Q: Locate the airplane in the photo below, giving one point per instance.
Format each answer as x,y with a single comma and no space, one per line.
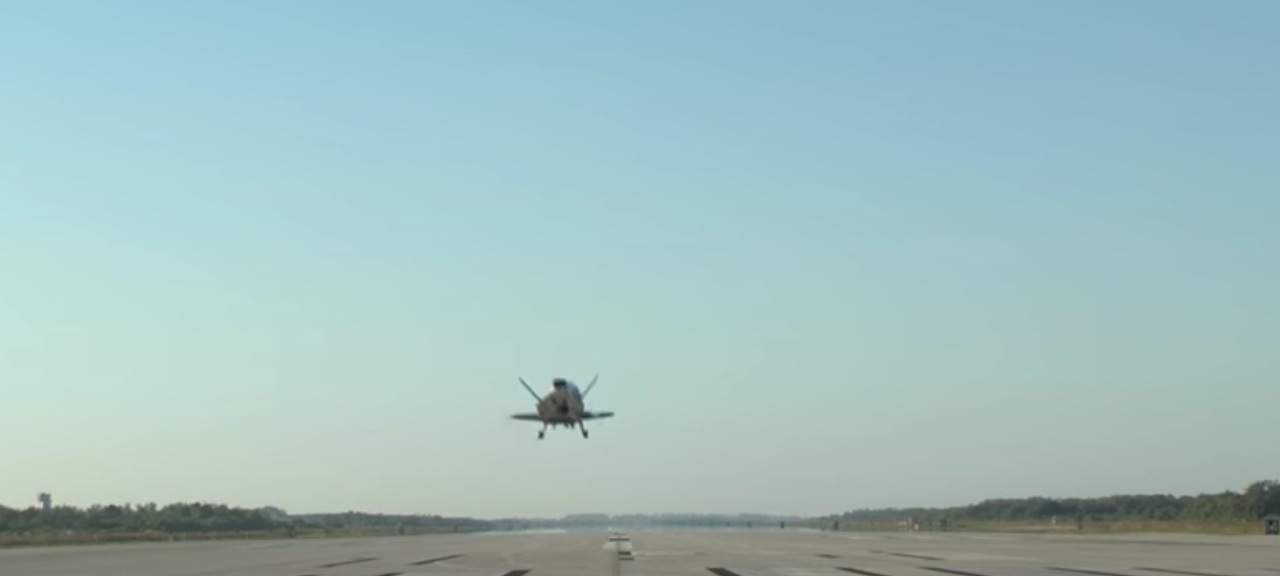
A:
562,406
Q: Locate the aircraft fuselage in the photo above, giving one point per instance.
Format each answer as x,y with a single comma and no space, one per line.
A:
560,408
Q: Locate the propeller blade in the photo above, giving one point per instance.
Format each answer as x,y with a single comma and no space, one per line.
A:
531,392
587,390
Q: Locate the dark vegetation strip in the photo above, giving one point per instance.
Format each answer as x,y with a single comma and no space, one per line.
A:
1259,500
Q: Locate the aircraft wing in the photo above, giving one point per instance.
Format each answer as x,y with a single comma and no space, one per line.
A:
596,415
527,416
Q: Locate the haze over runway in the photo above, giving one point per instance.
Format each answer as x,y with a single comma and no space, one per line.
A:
686,553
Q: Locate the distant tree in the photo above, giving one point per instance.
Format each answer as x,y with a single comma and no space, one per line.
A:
1260,499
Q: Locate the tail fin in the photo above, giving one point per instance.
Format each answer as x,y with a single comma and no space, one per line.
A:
531,392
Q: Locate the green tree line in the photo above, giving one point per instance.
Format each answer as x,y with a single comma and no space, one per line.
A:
1259,500
368,520
187,518
174,518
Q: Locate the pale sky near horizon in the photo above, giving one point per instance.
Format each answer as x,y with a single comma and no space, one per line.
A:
824,255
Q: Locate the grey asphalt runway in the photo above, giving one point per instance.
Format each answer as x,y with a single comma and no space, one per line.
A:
673,553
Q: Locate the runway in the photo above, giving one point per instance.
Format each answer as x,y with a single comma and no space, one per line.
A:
673,553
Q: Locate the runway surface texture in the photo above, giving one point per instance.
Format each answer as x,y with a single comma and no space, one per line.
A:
673,553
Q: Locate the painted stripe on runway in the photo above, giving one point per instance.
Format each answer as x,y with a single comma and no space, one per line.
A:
347,562
1085,571
950,571
905,555
1185,572
434,560
859,571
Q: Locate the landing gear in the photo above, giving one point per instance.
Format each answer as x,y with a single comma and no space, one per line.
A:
543,432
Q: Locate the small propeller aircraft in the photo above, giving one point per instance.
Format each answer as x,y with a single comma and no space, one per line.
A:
562,406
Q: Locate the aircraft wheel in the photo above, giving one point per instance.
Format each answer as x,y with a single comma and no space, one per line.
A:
584,433
541,434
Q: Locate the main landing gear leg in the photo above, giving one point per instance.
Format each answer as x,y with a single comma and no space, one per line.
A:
584,429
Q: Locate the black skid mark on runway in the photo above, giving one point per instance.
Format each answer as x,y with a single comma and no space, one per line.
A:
950,571
391,574
1171,571
347,562
858,571
433,560
1083,571
520,572
905,555
832,556
722,571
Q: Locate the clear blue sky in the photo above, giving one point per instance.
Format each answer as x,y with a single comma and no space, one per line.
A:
824,255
